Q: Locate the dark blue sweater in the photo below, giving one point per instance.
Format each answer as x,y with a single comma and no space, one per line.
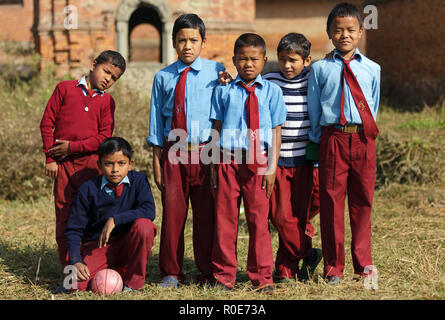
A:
93,206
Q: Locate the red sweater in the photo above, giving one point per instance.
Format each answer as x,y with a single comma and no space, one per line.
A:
65,118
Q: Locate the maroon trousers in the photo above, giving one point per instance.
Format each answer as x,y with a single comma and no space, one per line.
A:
72,173
128,252
183,182
289,205
347,164
236,181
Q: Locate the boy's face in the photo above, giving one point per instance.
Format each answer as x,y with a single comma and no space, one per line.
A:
188,45
291,63
115,166
345,34
104,75
249,62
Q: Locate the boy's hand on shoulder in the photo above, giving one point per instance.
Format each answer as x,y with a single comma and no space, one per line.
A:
83,273
224,77
329,55
51,169
106,231
61,150
268,183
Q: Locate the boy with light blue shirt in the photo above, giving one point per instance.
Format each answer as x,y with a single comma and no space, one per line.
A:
325,105
180,107
247,110
343,100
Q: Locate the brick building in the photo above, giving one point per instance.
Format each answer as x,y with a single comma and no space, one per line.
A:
71,33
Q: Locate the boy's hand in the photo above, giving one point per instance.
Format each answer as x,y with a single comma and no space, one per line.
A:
224,77
83,273
159,179
61,150
268,183
51,169
157,170
213,180
106,231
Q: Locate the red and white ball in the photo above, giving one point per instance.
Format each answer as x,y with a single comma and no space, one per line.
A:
106,282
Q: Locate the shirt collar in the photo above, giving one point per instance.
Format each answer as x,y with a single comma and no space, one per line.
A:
258,80
104,181
196,65
356,53
83,82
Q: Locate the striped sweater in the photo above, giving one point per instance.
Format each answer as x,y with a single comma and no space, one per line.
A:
294,132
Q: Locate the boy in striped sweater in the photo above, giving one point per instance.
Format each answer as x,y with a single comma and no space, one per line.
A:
290,200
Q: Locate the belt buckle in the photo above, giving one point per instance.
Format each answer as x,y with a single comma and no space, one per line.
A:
193,147
350,128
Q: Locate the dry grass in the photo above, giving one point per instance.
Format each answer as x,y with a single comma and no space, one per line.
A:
408,217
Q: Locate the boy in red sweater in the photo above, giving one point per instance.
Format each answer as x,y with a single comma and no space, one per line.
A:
78,117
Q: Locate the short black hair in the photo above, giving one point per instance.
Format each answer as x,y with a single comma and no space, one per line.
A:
114,57
115,144
295,42
344,9
250,40
189,21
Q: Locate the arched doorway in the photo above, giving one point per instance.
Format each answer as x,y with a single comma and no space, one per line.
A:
145,30
139,14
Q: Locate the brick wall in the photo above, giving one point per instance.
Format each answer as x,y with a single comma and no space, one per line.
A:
409,45
274,19
16,21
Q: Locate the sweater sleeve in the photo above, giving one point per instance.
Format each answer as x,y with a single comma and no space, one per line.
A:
77,222
48,121
144,206
105,130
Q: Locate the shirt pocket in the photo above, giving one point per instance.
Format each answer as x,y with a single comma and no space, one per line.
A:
203,103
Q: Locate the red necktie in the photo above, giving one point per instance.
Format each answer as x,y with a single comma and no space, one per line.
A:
253,122
117,189
369,126
178,118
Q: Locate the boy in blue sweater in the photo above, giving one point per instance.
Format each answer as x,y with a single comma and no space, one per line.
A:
110,223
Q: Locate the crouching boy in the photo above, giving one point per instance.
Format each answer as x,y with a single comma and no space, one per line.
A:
110,223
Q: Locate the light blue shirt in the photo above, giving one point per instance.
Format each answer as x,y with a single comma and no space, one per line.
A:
324,91
110,192
201,81
83,84
229,107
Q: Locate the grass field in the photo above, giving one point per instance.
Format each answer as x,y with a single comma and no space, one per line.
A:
408,222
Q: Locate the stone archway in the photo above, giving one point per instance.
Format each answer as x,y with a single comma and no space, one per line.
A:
124,12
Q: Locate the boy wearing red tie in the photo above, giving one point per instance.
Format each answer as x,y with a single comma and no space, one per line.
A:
110,223
246,111
343,99
180,107
78,117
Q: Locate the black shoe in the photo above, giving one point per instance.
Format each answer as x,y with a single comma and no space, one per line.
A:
61,289
221,286
269,290
310,263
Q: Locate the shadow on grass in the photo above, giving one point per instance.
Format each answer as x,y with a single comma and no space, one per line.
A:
23,261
